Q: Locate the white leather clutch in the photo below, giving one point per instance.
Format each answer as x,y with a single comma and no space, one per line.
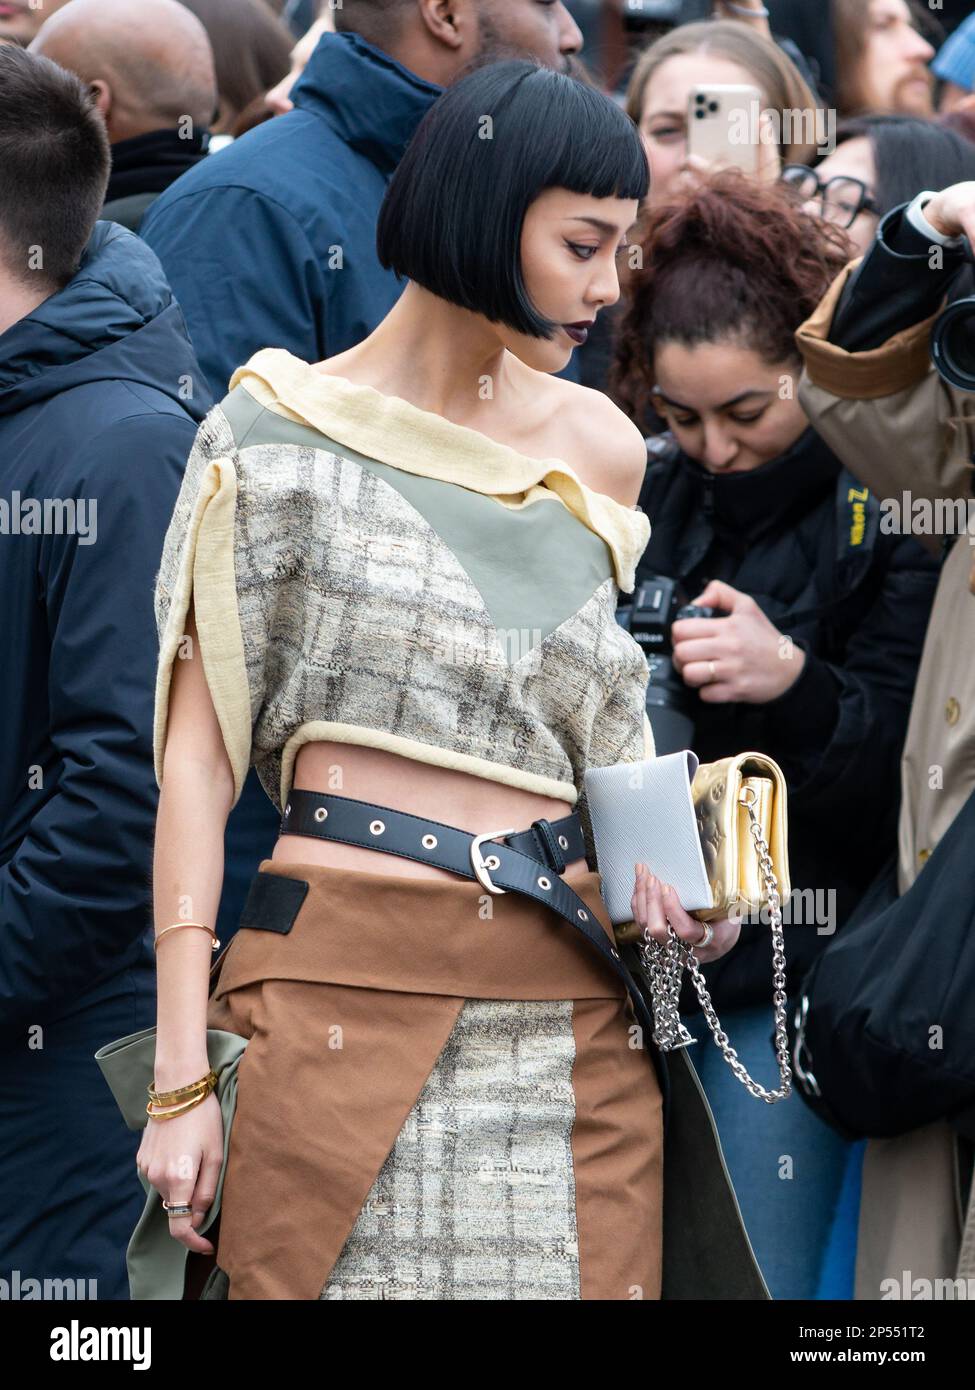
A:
644,813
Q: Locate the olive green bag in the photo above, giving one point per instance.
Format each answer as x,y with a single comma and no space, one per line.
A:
156,1262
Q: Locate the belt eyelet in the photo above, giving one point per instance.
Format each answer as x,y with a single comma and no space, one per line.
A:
287,809
544,883
376,827
583,916
563,842
492,862
321,813
429,842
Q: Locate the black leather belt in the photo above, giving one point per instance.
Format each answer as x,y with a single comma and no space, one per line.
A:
556,843
513,863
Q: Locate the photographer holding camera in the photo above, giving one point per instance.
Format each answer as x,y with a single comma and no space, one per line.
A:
906,428
813,657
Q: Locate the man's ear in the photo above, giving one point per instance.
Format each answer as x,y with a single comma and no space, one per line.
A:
102,93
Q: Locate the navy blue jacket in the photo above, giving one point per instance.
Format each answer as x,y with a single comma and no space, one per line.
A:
100,397
271,242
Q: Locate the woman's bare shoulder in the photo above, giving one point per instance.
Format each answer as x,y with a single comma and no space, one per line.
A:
609,452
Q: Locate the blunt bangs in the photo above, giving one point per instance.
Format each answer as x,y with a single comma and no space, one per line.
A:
454,209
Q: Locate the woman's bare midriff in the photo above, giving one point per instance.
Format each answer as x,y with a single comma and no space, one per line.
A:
475,804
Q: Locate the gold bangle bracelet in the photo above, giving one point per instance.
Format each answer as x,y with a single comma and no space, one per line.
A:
169,1097
176,926
177,1110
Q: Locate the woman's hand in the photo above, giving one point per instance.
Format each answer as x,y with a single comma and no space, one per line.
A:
757,20
952,211
653,903
694,169
182,1159
752,660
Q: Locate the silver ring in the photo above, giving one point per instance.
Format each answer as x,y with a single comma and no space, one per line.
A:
706,939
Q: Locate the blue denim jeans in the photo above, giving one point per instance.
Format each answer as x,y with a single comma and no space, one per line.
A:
797,1181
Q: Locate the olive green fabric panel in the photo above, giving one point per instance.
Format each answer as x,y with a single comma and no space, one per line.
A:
508,553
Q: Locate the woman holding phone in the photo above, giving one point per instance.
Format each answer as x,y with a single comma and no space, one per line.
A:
720,53
693,60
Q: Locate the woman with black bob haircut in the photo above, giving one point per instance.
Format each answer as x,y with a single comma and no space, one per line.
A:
401,567
453,217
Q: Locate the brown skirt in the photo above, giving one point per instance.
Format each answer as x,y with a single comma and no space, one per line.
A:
444,1096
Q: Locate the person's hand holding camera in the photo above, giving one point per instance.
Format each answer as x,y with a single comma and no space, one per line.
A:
741,657
952,211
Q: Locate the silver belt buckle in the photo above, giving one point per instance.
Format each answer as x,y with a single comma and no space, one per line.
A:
480,865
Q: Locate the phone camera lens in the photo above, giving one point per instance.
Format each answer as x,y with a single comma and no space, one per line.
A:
712,106
700,115
700,98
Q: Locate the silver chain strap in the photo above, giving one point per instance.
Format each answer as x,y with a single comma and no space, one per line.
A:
664,967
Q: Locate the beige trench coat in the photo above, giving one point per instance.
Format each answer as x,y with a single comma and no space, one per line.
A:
909,437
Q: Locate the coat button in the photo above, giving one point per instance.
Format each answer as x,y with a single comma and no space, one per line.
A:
952,711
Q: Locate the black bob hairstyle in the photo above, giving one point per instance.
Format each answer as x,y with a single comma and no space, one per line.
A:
453,212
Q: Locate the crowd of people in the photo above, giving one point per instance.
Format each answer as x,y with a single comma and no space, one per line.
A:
184,183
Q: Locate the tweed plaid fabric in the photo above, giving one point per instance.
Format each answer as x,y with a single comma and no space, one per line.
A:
328,607
476,1199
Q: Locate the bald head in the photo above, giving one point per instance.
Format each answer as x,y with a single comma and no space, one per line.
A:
150,61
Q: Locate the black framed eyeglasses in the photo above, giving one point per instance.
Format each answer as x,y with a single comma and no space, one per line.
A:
841,200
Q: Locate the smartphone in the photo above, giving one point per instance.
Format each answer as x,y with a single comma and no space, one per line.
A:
724,124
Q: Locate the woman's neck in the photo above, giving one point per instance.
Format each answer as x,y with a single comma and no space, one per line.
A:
435,355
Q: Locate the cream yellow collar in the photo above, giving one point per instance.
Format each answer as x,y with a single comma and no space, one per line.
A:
394,431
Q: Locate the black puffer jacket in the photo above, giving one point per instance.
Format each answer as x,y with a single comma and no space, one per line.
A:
857,601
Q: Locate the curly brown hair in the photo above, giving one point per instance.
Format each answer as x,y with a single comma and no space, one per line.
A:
733,258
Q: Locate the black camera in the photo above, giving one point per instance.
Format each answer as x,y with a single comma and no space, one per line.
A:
658,602
953,338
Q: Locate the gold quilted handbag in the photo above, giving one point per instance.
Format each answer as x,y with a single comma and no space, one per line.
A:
740,807
730,797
